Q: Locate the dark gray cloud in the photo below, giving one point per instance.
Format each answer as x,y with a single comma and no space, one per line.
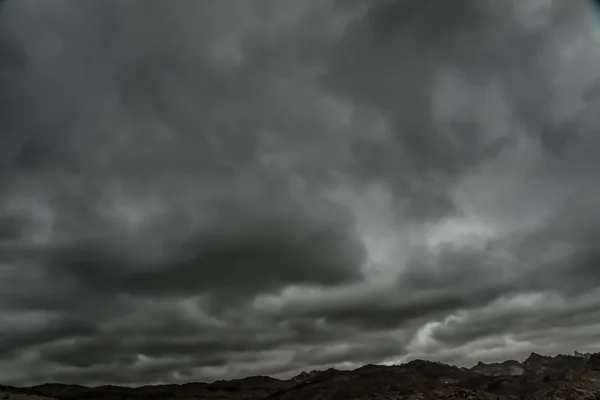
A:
209,190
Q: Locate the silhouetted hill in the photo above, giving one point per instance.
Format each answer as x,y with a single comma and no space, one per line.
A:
564,377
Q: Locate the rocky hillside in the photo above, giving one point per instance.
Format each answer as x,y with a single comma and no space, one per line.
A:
16,396
564,377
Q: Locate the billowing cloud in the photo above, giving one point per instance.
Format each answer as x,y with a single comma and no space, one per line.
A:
207,190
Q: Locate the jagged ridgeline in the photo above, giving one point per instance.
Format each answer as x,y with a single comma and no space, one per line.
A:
564,377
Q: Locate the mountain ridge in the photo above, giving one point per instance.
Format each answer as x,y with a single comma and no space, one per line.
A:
575,376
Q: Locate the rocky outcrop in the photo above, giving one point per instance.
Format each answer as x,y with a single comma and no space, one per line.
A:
585,356
306,376
506,368
534,364
593,362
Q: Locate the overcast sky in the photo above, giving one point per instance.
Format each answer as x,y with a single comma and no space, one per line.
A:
200,190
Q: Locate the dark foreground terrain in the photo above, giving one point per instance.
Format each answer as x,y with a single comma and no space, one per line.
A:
564,377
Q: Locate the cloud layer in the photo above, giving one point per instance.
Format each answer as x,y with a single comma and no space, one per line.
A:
207,190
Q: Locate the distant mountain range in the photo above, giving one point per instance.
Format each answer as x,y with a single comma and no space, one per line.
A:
562,377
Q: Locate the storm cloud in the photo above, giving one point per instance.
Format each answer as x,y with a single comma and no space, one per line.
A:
200,190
